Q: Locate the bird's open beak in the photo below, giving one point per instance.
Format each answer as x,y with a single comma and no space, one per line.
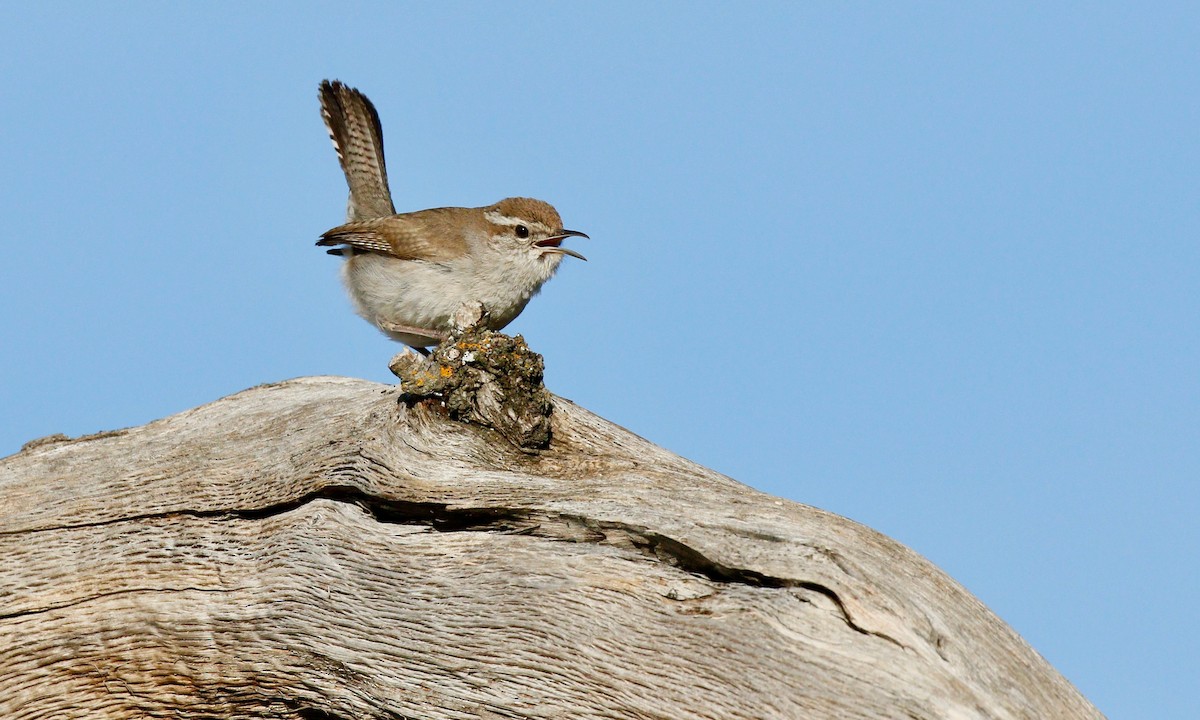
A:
554,243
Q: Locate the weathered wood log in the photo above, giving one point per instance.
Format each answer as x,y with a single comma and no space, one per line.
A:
317,549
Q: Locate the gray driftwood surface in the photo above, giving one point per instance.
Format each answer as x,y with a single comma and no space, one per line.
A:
315,549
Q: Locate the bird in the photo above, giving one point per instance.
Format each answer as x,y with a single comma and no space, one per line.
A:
408,273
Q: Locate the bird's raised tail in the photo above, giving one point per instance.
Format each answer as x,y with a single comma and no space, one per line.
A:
357,137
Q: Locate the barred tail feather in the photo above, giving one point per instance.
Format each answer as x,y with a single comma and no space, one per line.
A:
357,137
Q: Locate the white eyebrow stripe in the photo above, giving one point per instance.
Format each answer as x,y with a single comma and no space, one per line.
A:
494,216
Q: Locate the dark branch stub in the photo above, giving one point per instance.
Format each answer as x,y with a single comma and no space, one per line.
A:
484,378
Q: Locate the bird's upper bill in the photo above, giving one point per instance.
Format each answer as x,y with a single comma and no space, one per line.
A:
553,244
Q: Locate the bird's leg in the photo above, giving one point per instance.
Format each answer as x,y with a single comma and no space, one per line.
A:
410,329
389,326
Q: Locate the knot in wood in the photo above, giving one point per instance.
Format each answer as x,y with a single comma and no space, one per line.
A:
484,378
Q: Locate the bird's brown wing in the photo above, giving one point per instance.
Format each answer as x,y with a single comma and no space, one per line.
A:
430,235
357,137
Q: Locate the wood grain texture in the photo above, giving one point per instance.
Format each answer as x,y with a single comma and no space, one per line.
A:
315,549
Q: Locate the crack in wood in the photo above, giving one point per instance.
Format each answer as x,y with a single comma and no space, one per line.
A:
113,593
689,559
442,518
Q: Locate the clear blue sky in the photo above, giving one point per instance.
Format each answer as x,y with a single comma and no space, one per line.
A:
935,267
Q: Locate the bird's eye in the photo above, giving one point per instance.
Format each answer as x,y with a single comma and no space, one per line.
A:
522,231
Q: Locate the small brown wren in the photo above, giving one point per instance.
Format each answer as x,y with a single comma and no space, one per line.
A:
408,273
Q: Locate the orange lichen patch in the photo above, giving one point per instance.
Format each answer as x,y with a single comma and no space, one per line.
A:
446,371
